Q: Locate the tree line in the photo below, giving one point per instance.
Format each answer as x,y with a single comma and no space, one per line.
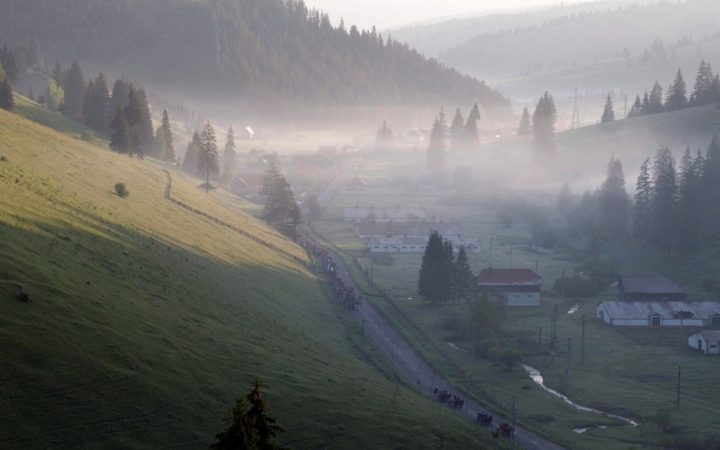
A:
542,126
462,135
278,53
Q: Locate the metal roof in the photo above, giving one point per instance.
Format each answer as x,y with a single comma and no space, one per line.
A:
711,335
504,277
649,282
667,310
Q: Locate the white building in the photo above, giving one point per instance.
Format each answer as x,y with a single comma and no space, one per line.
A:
688,314
706,341
418,244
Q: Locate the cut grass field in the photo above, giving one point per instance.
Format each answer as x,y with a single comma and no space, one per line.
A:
146,320
630,372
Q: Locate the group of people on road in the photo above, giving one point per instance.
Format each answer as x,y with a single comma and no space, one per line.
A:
443,396
342,292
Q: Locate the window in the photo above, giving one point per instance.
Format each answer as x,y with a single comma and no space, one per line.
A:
376,246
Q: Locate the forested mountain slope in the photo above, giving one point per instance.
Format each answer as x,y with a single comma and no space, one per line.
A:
255,50
145,320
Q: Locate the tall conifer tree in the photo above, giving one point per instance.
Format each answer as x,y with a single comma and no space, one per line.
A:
472,132
608,114
525,126
208,160
7,102
543,120
74,87
121,139
167,136
677,94
457,131
641,210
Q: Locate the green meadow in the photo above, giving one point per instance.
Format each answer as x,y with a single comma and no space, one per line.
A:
146,320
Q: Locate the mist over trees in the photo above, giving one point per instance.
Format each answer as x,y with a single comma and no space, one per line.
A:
543,127
275,53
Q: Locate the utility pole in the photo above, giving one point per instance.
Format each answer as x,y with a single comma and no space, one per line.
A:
512,431
567,366
392,354
362,334
582,343
492,237
678,390
576,111
537,261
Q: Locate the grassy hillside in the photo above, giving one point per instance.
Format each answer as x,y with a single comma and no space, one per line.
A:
146,320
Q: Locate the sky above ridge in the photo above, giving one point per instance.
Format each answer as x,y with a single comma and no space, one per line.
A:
386,14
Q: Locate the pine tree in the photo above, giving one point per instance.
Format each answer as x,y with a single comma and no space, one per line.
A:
677,94
703,82
190,158
608,114
663,211
688,201
641,210
120,140
54,96
58,74
270,182
457,131
543,120
6,95
7,59
74,87
636,108
119,96
87,102
208,158
525,127
656,99
462,281
384,139
434,277
133,112
471,131
230,152
167,135
438,143
710,182
251,428
646,109
145,127
613,202
99,109
564,200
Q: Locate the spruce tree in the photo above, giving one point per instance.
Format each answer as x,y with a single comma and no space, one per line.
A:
145,127
2,73
36,58
457,131
167,135
613,202
608,114
564,200
230,152
688,201
31,94
136,145
472,132
463,287
710,183
7,59
433,277
655,100
119,96
663,208
6,95
703,82
157,150
269,184
58,74
133,112
437,144
99,110
190,159
636,108
384,139
543,120
677,94
641,210
525,127
87,102
74,88
208,158
120,140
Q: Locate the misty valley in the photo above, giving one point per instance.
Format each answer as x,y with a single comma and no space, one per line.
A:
256,225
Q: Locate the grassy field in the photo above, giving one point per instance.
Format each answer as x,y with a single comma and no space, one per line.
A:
146,320
630,372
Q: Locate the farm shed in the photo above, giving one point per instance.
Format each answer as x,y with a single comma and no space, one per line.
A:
706,341
373,214
417,244
644,314
407,229
520,286
647,285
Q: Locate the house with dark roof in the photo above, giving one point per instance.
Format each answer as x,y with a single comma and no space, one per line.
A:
520,286
647,285
706,341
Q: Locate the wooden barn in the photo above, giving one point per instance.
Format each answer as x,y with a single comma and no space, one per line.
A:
520,286
648,286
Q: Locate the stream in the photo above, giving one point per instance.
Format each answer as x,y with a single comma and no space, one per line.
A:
538,379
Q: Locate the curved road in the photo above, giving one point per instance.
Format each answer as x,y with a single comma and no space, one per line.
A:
414,367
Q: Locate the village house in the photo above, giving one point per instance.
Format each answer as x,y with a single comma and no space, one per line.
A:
647,285
656,314
407,229
356,184
520,286
417,244
706,341
398,214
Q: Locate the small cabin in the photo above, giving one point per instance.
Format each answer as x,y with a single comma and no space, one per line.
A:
706,341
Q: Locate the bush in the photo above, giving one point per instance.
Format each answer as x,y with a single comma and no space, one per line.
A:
3,159
121,190
663,419
509,357
87,136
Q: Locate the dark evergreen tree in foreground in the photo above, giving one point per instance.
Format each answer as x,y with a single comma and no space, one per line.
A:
434,278
543,121
471,133
438,144
251,428
208,159
613,202
641,210
384,139
167,137
457,131
74,87
525,126
119,96
677,94
462,280
6,95
120,140
663,212
608,114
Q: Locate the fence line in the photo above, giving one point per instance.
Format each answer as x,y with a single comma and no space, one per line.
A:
269,245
